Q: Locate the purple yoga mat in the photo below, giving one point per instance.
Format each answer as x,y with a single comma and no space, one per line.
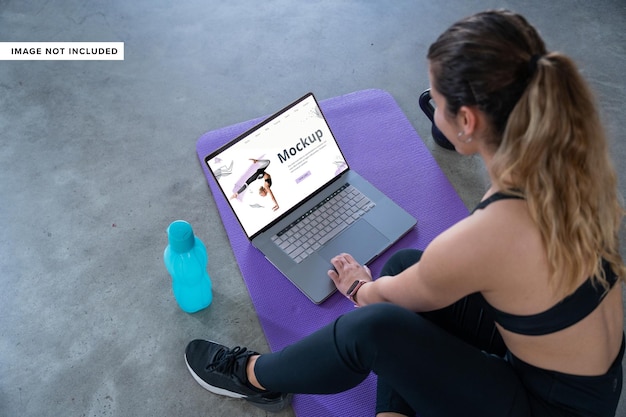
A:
379,143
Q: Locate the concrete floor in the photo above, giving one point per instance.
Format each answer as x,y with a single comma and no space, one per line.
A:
99,157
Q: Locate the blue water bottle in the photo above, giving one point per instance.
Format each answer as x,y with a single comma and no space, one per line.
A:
186,260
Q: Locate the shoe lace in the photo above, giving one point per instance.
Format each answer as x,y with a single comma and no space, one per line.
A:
225,359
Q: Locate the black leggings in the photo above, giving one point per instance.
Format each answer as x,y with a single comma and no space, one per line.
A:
443,363
258,174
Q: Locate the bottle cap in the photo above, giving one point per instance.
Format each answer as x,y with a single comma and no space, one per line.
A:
180,235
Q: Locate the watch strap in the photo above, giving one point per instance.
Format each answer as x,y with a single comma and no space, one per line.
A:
354,288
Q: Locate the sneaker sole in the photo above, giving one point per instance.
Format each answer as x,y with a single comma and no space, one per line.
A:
271,407
284,402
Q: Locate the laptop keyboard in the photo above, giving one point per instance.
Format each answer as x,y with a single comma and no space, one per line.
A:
323,222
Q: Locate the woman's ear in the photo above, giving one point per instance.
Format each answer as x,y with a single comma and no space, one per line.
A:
468,119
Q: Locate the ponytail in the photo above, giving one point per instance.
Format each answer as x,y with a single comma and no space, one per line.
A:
548,142
554,150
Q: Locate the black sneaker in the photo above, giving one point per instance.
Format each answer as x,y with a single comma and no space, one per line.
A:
223,371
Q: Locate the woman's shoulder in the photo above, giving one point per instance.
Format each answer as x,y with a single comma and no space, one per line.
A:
497,216
490,239
505,226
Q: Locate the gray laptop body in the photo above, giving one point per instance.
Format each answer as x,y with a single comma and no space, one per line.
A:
278,173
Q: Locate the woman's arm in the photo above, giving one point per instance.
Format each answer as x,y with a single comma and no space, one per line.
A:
451,267
268,190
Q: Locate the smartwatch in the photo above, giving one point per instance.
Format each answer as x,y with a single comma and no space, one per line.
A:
354,288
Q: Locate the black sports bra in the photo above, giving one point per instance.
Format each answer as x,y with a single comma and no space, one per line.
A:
566,313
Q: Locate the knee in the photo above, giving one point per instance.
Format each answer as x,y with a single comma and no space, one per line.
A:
400,261
378,321
371,332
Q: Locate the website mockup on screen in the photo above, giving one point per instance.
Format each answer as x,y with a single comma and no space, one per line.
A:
268,171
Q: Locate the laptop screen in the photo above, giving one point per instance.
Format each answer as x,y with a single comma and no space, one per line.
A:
269,170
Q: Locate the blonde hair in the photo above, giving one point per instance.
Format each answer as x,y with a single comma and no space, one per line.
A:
551,146
554,149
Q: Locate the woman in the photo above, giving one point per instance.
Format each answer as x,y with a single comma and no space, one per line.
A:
260,173
539,256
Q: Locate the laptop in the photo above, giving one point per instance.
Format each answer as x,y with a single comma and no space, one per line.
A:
297,200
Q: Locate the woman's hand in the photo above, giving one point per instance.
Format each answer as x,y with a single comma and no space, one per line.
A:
347,270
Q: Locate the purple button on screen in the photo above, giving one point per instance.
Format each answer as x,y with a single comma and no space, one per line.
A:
303,176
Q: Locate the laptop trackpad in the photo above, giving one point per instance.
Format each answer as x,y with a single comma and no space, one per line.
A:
361,240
